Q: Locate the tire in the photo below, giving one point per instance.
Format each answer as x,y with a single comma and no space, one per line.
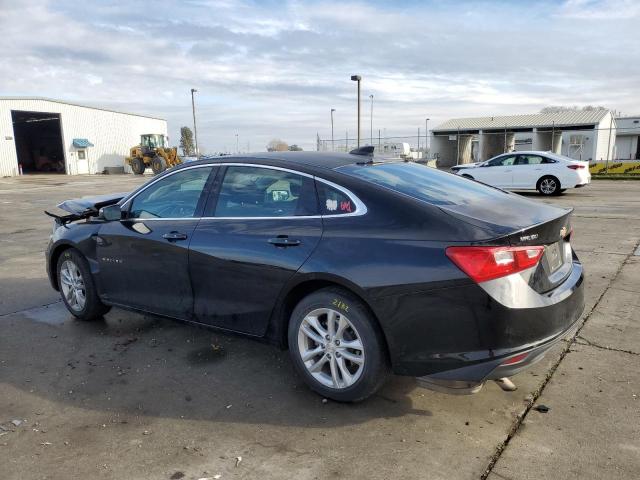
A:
137,166
548,185
340,378
75,282
158,165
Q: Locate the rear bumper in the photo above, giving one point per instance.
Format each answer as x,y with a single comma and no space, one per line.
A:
433,343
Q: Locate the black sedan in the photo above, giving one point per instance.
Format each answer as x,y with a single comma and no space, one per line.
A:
360,268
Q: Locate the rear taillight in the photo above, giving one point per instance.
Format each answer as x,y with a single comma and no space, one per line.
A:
575,167
515,359
487,263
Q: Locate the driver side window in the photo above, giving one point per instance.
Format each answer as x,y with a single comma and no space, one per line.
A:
175,196
502,161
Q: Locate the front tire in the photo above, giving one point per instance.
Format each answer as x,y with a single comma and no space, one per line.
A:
548,185
137,166
337,346
77,288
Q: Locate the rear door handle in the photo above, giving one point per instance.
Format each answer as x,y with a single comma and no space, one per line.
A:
173,236
284,241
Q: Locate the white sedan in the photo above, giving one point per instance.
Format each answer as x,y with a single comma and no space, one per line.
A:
547,172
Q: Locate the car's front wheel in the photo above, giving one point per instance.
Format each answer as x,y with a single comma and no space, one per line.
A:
77,288
336,346
549,185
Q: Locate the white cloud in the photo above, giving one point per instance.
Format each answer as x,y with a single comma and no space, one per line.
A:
270,69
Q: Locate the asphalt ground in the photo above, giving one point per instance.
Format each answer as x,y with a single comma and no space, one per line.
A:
140,397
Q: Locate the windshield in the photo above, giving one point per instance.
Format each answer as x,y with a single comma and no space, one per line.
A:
152,141
425,183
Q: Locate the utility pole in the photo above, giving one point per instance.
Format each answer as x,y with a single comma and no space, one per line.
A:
504,150
195,129
426,135
458,141
371,119
418,149
347,142
553,136
606,169
333,145
237,144
358,78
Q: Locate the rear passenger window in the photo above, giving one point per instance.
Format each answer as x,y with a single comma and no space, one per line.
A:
333,201
265,192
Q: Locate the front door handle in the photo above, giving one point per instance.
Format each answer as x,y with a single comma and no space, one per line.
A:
284,241
173,236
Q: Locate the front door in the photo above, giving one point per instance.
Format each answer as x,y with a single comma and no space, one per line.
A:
497,172
260,226
143,258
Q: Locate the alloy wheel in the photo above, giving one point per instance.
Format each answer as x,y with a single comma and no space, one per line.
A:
331,348
72,285
548,186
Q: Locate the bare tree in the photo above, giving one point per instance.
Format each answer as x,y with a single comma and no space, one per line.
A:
277,145
573,108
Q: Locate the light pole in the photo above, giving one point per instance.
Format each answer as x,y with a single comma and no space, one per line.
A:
237,144
358,78
195,129
333,145
371,120
426,133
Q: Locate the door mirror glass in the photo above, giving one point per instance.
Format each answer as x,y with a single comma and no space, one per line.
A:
111,213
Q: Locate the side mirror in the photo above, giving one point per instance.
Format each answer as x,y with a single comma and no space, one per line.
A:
110,213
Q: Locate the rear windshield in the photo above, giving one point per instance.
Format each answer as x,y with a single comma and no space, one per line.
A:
425,183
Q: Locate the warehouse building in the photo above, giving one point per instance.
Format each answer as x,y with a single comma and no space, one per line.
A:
40,135
627,138
581,134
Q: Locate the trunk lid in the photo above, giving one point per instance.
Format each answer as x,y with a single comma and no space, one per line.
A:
523,222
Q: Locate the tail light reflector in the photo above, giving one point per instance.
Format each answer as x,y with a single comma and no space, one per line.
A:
575,167
488,263
515,359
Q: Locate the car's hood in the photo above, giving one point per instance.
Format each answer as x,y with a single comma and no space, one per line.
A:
85,205
467,165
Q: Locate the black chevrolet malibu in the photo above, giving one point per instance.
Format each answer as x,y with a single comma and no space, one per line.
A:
360,268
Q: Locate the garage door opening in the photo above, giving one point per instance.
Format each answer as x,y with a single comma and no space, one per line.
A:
38,138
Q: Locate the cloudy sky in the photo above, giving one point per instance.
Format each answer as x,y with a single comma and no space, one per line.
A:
268,69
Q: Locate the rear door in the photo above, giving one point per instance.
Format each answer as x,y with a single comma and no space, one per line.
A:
261,224
497,172
528,168
143,258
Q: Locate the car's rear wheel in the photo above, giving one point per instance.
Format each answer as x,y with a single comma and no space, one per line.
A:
77,288
336,346
548,185
137,166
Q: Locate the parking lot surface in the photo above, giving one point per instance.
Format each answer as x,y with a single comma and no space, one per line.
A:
138,396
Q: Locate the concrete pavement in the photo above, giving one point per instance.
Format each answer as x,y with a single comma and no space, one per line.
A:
138,396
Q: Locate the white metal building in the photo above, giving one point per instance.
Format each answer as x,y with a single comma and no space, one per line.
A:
627,138
45,135
581,134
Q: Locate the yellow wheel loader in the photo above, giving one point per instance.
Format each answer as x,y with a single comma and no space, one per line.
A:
153,153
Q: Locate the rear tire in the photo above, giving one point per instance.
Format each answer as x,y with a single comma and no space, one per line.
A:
548,185
158,165
137,166
336,346
77,288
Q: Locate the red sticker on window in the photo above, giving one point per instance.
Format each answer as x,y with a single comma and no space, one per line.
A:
345,206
